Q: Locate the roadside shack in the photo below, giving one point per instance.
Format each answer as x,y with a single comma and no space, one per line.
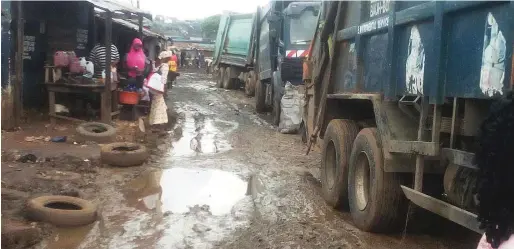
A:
124,32
52,53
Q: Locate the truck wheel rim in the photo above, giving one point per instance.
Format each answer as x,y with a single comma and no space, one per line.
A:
362,181
330,164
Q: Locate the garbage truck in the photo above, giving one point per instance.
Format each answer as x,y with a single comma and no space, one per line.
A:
284,30
395,95
233,57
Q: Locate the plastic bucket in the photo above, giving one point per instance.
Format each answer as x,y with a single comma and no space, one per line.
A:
129,98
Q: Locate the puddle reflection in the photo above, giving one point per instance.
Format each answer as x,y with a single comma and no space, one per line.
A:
177,190
199,135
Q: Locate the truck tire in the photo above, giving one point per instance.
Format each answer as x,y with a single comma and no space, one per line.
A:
376,201
260,97
250,84
277,84
336,151
220,76
275,111
227,81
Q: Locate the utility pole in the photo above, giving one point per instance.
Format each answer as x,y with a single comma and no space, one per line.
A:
137,4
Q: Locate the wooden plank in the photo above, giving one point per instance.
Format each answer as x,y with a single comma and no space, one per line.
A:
66,118
18,84
51,107
106,95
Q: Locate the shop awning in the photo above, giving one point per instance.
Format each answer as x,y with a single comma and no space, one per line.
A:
120,8
135,27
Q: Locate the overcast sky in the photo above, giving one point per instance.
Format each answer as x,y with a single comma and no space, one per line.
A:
197,9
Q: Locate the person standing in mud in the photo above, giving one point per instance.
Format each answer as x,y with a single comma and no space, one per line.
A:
158,110
495,188
172,73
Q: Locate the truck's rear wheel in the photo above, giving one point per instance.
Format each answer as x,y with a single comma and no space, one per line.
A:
250,84
227,81
260,96
376,200
219,78
337,147
275,111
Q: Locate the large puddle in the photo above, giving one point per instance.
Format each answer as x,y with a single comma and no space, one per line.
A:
199,134
178,190
184,208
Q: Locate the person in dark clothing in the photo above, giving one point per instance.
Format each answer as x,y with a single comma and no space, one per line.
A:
494,187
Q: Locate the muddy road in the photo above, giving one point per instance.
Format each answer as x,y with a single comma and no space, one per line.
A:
226,179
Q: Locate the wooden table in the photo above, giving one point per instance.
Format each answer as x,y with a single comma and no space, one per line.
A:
78,88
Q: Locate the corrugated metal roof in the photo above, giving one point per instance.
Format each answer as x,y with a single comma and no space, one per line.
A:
135,27
115,6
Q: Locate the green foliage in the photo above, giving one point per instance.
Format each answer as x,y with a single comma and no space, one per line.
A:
210,26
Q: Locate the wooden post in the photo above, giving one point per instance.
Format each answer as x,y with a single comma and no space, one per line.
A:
106,95
18,67
140,20
51,107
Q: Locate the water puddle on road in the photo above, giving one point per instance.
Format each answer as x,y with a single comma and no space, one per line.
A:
177,190
185,208
198,134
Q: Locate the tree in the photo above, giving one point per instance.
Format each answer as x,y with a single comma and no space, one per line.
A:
210,26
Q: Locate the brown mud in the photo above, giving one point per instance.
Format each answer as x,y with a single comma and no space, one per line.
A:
221,178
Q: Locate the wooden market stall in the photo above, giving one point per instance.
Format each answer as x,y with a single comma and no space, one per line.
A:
73,30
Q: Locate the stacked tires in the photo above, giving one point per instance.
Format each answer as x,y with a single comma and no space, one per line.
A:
353,177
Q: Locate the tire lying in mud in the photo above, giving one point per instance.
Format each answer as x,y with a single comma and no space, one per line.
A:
124,154
337,148
62,210
96,132
377,203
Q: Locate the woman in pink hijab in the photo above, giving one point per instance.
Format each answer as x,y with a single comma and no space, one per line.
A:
135,63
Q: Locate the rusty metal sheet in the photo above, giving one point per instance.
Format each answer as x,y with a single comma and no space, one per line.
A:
414,147
446,210
115,6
